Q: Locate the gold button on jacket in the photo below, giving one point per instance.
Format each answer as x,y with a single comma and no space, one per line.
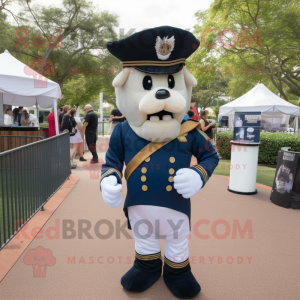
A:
144,188
172,159
143,178
171,171
169,188
144,170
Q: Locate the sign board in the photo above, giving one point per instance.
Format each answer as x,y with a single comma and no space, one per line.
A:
247,127
286,169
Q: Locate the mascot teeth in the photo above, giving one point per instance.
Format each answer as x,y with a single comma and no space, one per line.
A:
167,117
160,116
154,118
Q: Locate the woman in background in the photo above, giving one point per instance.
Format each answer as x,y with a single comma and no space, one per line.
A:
76,141
79,135
51,122
61,115
73,139
16,117
205,125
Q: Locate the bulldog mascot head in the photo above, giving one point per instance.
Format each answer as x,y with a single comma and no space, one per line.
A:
154,94
154,88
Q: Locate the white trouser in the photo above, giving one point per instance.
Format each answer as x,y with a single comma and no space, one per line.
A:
148,223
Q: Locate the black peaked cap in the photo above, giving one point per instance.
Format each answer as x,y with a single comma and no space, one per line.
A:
160,50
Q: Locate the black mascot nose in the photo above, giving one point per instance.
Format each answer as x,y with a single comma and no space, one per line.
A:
162,94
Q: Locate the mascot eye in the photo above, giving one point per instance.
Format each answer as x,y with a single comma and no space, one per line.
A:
147,83
171,81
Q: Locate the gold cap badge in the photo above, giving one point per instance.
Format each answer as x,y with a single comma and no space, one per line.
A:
164,47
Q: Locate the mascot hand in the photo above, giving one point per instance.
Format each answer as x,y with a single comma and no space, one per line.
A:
187,182
111,191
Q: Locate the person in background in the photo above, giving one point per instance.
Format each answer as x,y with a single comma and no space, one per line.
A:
192,107
90,128
60,118
8,117
51,122
239,122
25,119
205,125
20,112
16,117
115,118
77,139
70,117
190,115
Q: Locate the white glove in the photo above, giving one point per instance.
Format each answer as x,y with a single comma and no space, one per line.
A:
111,191
187,182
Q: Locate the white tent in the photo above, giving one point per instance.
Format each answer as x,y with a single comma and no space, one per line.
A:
260,98
22,86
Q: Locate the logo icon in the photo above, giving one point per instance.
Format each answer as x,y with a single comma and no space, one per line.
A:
164,47
38,68
39,258
95,169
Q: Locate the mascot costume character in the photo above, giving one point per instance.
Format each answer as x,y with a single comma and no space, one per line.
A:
153,92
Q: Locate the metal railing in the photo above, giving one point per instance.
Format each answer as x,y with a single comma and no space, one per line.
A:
103,127
8,142
29,176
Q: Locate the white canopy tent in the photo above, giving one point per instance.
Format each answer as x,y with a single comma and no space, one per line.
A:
22,86
260,98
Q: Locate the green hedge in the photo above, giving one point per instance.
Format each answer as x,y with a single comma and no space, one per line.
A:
223,143
270,144
44,125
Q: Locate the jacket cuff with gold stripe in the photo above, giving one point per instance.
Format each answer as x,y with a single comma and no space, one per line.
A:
111,171
201,171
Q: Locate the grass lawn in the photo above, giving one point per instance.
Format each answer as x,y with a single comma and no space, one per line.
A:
265,175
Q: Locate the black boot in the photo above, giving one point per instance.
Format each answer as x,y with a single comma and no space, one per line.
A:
145,271
180,280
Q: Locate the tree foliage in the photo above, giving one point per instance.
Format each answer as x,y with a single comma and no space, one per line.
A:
265,48
65,43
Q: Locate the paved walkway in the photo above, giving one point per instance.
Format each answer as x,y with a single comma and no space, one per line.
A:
264,264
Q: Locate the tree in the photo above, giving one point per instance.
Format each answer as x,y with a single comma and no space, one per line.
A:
4,4
259,41
204,94
217,109
82,52
4,7
68,35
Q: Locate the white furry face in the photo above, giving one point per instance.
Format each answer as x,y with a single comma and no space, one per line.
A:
154,105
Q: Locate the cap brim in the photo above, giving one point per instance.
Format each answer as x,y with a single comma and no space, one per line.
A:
160,70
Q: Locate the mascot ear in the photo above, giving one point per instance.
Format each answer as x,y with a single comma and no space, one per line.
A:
189,78
121,78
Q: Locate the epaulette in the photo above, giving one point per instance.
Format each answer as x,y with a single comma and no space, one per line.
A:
204,134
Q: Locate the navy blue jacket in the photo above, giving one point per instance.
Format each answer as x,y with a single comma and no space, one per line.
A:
152,182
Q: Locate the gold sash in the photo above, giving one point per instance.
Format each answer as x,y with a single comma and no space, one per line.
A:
153,147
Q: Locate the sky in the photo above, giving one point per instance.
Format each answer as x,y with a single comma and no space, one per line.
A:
141,14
